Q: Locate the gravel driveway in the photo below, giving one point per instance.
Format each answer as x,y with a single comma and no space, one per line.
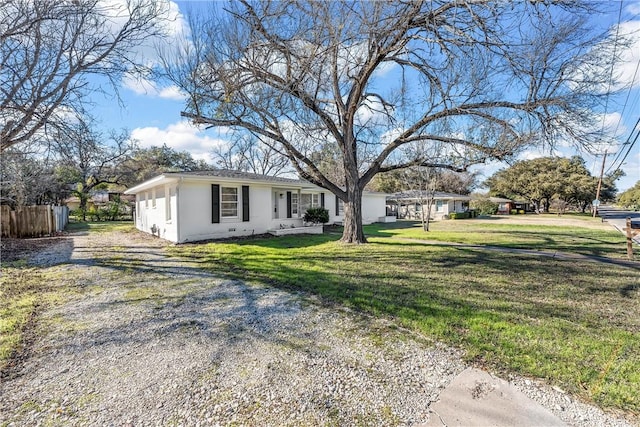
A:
152,340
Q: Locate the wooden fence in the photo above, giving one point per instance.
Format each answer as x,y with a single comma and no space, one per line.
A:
33,221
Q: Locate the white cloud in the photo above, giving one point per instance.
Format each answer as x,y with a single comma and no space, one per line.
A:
171,26
633,9
626,71
181,136
141,86
385,69
613,125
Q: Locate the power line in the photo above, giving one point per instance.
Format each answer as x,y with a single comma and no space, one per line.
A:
624,107
636,129
628,151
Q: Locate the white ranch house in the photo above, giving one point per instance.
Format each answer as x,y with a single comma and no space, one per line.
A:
192,206
410,204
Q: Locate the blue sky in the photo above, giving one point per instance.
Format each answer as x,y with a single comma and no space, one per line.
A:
152,113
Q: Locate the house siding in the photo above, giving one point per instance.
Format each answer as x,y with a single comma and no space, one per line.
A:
373,207
193,215
197,204
151,213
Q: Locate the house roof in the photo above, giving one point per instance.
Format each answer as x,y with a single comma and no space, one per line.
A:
222,175
228,175
416,194
235,174
500,200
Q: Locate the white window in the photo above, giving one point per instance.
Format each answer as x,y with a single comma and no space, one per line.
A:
439,206
305,202
294,203
169,194
309,201
340,207
229,199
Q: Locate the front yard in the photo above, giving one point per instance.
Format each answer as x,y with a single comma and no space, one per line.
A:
574,323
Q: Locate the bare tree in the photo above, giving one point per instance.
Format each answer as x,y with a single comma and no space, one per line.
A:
246,153
26,179
48,48
421,182
90,159
483,78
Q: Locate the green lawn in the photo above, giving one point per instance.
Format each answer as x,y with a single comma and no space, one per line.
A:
101,226
574,323
573,239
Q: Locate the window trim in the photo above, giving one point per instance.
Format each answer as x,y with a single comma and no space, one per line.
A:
167,205
294,202
223,202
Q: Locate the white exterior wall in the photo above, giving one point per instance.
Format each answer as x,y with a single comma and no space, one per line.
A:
373,207
187,216
448,206
151,212
196,205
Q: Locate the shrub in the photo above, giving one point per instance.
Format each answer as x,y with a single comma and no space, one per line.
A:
459,215
94,213
316,215
485,206
514,211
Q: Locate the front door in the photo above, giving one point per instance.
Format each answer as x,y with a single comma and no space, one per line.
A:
275,205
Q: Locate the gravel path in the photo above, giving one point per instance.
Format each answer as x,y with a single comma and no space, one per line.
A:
152,340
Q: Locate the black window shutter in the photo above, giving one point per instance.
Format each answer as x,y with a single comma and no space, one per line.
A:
322,200
337,206
215,203
245,203
289,204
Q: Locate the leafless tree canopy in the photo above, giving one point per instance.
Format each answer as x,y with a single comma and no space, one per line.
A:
48,48
247,153
481,78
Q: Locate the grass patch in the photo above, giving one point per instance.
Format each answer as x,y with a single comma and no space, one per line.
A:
102,226
576,324
571,239
24,293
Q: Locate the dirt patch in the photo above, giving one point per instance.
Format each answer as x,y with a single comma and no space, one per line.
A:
17,249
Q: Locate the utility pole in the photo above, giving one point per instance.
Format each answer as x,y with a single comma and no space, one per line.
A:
595,207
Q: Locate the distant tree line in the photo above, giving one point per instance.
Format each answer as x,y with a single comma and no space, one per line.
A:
546,181
631,198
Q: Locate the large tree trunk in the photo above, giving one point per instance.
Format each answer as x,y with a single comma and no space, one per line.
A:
83,207
353,232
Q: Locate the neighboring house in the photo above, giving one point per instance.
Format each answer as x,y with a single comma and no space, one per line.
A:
506,206
97,198
201,205
100,198
410,204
